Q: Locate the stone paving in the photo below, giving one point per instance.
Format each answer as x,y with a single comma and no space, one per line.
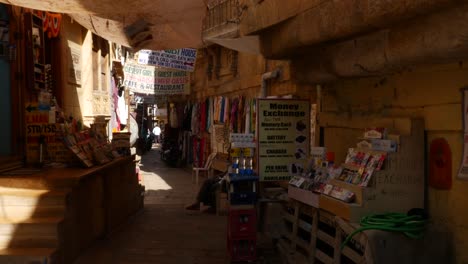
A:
164,232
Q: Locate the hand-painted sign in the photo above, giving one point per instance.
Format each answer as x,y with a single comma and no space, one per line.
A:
152,80
180,59
283,138
38,129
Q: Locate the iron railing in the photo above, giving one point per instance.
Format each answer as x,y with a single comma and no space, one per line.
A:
220,14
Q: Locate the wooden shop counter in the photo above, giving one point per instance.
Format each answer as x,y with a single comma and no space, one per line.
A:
96,201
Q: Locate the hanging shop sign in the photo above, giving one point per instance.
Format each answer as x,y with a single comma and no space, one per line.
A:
463,171
283,138
74,63
179,59
152,80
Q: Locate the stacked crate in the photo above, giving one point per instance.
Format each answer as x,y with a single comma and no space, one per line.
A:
315,236
242,234
242,196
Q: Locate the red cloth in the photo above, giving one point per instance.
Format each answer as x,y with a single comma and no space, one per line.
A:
203,116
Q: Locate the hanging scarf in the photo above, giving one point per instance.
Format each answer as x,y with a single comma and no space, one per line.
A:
240,115
210,115
254,115
174,120
234,115
247,116
221,112
203,116
227,110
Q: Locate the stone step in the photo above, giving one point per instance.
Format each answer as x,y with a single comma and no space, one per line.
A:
27,197
27,255
27,241
35,227
24,212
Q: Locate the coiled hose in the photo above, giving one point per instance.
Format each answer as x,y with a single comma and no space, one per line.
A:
412,225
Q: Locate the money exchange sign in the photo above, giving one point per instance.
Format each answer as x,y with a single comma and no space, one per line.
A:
283,138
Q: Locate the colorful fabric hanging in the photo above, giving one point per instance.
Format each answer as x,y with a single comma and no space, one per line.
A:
227,110
221,112
196,119
247,107
210,122
54,21
208,114
217,109
240,115
234,115
202,116
253,112
174,119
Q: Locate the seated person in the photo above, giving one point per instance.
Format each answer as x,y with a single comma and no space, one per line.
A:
207,193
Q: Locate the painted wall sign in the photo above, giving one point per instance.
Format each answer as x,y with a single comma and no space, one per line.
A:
283,138
146,79
180,59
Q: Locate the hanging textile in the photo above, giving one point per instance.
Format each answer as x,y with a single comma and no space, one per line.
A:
193,122
221,112
202,116
241,115
253,112
247,116
180,114
54,21
174,120
210,122
114,122
216,107
208,115
122,109
234,115
186,126
227,110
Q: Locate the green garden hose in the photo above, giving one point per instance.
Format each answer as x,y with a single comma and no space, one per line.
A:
412,226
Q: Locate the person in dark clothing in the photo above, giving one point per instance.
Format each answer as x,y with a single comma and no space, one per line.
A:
207,194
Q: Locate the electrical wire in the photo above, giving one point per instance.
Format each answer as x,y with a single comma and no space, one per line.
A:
413,226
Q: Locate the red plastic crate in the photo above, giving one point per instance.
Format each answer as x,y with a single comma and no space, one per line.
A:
242,223
242,249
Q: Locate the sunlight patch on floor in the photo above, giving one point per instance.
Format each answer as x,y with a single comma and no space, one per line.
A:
154,182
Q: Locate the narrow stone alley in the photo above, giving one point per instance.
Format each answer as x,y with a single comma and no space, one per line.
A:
164,232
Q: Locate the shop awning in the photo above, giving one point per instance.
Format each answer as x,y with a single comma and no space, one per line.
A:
164,24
